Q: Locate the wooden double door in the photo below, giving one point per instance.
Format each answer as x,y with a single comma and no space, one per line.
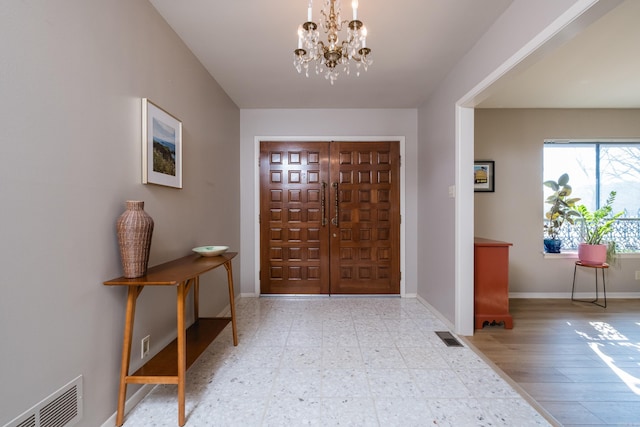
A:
329,217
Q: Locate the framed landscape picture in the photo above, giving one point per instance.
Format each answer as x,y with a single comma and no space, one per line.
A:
483,176
161,146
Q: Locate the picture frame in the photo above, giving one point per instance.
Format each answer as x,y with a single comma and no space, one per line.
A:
161,146
484,176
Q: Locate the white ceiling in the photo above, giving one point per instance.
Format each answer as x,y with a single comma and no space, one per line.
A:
247,46
599,68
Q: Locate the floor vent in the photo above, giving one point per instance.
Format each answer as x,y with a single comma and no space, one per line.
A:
448,339
61,409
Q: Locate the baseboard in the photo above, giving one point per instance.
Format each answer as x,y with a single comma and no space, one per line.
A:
130,403
567,295
439,315
249,295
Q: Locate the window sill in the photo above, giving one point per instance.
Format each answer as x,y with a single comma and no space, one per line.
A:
574,255
561,255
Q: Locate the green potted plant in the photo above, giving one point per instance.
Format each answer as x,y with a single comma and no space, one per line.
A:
596,225
562,210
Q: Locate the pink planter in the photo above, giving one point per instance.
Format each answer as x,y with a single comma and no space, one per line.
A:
592,254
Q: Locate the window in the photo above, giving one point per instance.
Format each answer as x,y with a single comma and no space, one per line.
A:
596,168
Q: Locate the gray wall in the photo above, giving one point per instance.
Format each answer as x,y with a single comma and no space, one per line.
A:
439,163
513,138
72,73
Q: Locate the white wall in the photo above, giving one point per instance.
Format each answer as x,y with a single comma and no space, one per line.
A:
326,125
446,259
514,212
72,73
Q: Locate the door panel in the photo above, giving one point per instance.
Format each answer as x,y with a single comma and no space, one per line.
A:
365,241
293,238
302,186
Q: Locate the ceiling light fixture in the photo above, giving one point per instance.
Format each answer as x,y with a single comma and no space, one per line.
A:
334,52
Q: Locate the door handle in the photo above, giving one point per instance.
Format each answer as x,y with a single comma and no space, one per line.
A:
323,197
334,221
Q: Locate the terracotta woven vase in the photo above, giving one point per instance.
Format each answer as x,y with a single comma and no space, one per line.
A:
135,228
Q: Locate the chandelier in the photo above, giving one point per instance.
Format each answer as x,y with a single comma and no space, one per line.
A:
332,53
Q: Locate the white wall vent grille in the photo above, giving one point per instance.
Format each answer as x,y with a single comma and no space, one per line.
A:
29,422
61,409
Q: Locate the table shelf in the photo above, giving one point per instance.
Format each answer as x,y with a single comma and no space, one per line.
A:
199,336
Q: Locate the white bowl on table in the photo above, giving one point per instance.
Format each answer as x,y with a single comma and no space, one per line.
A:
210,250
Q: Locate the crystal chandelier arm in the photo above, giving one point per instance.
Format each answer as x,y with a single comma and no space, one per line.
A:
362,55
321,46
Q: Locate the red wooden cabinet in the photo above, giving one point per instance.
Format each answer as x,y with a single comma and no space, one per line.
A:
491,282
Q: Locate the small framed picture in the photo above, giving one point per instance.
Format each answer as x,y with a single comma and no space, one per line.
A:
161,146
484,176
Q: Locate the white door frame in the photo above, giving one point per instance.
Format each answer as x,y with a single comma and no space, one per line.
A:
256,177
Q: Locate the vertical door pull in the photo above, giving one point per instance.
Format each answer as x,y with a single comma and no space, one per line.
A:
334,221
323,207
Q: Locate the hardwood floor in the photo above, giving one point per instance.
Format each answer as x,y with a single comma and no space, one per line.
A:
578,361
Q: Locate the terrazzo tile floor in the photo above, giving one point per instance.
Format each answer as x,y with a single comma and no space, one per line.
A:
338,361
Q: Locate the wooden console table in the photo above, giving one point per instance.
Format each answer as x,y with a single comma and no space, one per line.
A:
491,282
169,366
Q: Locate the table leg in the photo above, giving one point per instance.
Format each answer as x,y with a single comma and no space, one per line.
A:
182,347
604,289
196,298
232,303
132,296
573,286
